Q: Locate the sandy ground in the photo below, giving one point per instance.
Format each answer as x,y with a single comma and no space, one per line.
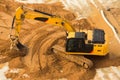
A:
40,37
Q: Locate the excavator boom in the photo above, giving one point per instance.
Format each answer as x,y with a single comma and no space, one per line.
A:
27,13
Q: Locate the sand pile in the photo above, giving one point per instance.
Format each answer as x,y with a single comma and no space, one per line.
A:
40,37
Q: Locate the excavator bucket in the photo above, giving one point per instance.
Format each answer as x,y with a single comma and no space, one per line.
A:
22,48
8,54
18,46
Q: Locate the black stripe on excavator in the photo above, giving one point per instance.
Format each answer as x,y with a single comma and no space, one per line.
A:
43,13
13,22
41,19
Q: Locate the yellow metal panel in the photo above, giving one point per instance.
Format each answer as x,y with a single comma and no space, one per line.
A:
90,35
60,22
71,35
100,49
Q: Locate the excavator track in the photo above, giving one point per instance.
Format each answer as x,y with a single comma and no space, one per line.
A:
80,60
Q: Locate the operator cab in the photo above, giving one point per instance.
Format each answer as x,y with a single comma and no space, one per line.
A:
84,41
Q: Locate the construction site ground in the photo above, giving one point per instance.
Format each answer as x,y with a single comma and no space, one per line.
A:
39,37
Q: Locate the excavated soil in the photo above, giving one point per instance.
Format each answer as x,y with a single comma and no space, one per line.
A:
116,13
41,63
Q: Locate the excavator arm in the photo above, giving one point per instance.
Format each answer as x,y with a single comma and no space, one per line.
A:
28,13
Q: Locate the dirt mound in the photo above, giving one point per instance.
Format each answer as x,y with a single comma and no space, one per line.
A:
81,24
40,37
39,43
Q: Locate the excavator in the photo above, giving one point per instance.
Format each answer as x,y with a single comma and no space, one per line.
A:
85,42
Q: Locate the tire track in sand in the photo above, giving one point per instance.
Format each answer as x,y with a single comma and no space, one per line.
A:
37,36
38,41
46,46
32,33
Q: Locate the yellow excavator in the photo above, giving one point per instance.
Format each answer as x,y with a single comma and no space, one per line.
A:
86,42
